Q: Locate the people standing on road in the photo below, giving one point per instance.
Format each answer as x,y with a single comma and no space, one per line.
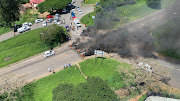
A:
49,69
71,23
72,28
66,65
69,65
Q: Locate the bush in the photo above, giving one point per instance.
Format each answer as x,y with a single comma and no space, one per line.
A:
94,89
154,4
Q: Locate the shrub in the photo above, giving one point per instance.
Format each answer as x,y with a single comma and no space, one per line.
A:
94,89
154,4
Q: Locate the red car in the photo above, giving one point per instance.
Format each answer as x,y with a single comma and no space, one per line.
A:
49,16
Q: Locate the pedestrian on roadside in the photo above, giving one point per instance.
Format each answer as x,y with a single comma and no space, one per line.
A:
53,71
72,28
70,18
66,65
69,65
49,69
71,23
77,27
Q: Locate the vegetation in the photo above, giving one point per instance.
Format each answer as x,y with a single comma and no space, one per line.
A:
87,19
4,30
27,17
9,11
21,47
94,89
143,98
155,4
91,1
54,35
50,6
43,88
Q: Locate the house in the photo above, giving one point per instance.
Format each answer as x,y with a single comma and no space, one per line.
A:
36,1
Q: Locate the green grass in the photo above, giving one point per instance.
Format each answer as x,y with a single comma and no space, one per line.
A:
106,71
138,10
91,1
4,30
42,90
20,47
87,19
142,98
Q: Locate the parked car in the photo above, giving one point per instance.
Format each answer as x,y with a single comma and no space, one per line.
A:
27,24
58,23
50,20
77,22
44,24
73,10
80,12
38,20
64,11
77,7
17,26
23,29
49,53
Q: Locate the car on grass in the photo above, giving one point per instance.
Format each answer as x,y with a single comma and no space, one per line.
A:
80,12
49,53
38,20
27,24
23,29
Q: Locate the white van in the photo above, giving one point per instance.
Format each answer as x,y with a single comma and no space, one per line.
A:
77,22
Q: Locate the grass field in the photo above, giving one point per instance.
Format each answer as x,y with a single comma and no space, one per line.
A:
91,1
131,12
21,47
138,10
87,19
4,30
167,29
41,90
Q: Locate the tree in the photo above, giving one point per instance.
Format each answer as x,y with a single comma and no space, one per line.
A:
95,89
51,5
53,34
155,4
9,11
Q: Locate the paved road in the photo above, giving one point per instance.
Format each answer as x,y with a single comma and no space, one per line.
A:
37,66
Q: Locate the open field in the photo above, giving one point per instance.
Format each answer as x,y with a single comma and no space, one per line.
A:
4,30
129,12
87,19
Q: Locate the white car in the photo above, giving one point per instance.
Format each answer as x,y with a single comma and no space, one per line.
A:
80,12
73,10
38,20
23,29
77,22
50,20
27,24
77,8
49,53
44,24
58,23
